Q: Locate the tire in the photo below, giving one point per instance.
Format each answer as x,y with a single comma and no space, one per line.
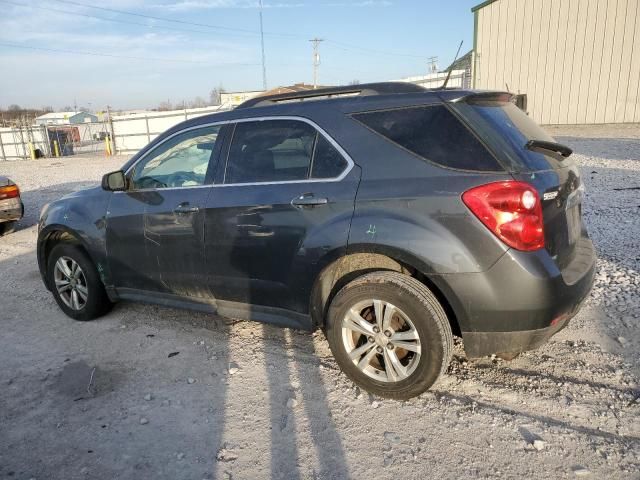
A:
417,321
7,227
91,300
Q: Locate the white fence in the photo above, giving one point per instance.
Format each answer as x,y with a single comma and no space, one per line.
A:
15,142
459,79
133,131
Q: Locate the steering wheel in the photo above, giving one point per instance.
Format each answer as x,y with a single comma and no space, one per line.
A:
180,178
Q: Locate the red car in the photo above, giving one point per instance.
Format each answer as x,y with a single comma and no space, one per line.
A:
11,207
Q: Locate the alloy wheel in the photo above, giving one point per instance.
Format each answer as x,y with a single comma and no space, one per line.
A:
381,340
70,283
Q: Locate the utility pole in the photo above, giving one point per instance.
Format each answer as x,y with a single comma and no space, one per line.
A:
433,64
264,62
316,60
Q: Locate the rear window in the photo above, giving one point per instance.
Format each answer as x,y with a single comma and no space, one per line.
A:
433,133
507,129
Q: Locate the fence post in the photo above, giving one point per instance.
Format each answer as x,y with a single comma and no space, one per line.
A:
146,121
112,136
47,140
2,148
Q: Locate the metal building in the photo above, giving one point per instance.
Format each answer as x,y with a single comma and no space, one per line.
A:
65,118
578,61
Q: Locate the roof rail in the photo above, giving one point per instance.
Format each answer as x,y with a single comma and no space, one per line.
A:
364,89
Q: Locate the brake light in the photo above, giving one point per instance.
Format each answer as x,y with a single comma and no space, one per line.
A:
511,210
11,191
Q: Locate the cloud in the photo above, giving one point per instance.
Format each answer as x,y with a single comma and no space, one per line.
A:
363,3
185,5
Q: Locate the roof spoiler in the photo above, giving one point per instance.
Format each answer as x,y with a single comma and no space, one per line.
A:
364,89
481,97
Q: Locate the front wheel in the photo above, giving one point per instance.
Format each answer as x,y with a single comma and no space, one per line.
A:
75,283
389,334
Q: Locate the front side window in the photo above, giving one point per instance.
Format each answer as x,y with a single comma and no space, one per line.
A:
181,161
280,151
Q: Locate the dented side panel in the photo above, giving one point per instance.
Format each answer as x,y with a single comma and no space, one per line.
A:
82,216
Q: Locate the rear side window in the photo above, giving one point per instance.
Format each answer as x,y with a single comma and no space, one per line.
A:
280,151
327,161
432,133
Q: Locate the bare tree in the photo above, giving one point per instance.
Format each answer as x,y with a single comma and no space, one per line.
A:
198,102
14,108
214,95
354,82
164,106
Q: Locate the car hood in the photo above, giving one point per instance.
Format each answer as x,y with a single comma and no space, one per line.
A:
85,192
90,202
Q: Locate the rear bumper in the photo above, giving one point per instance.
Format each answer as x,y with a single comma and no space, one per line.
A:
11,209
521,301
480,344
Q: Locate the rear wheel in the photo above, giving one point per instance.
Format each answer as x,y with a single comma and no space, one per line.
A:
389,334
7,227
75,283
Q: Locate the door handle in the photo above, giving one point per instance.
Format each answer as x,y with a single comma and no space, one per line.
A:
308,200
185,208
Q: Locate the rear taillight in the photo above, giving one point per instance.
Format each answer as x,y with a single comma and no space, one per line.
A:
11,191
511,210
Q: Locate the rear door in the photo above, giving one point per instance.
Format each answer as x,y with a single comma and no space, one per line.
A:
282,200
508,130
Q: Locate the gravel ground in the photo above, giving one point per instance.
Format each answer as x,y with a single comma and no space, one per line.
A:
149,392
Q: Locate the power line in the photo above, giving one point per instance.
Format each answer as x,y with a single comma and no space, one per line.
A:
172,20
371,50
100,54
219,27
167,27
114,20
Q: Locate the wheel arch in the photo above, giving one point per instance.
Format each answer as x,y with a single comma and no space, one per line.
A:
333,277
53,235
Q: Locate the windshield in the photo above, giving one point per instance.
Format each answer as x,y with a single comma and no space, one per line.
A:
507,129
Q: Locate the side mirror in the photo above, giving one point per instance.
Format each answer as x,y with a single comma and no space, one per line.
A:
114,181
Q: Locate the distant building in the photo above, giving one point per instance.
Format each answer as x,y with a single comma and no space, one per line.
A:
436,80
298,87
233,99
66,118
578,61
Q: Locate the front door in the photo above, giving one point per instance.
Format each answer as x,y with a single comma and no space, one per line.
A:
282,200
155,228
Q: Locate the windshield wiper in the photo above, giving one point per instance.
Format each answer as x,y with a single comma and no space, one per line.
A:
553,147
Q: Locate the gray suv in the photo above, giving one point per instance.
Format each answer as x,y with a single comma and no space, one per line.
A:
390,216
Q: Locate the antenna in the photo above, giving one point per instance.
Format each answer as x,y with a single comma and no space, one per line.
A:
446,80
316,60
264,64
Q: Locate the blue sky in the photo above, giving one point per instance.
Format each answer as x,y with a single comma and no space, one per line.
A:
365,40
